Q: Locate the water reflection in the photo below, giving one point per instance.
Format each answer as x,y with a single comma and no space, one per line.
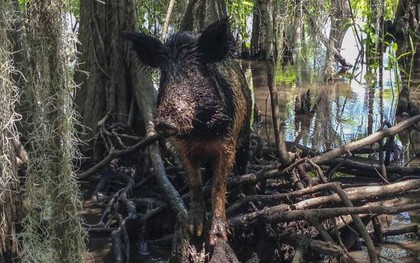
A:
324,116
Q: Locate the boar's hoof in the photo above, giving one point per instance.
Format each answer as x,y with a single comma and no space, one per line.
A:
195,221
218,230
165,129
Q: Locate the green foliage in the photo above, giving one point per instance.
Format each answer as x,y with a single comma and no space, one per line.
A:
239,11
286,75
366,17
390,8
363,9
395,62
22,4
74,6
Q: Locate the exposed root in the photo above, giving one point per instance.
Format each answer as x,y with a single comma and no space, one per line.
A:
300,211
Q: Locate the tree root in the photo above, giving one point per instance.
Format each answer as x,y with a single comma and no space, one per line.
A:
297,209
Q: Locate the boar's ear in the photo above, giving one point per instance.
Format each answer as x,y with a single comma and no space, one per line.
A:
216,41
149,50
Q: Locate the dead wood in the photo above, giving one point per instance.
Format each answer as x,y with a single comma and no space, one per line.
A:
368,168
289,198
222,252
268,172
401,229
400,201
305,243
345,149
281,214
302,211
114,153
354,194
362,193
277,197
359,224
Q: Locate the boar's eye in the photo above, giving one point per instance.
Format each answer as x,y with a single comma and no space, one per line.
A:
149,50
216,42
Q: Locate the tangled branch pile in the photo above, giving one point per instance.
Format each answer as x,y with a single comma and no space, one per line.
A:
276,214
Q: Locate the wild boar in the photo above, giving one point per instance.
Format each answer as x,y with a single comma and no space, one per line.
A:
204,105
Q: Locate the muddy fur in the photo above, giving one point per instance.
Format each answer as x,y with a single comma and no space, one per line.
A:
204,104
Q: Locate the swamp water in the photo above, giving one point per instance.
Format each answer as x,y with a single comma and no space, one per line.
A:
341,112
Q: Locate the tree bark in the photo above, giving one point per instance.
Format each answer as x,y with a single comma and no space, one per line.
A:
256,31
406,17
105,95
200,13
267,22
167,18
10,198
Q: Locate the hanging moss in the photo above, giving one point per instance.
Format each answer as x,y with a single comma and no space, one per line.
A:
9,182
52,227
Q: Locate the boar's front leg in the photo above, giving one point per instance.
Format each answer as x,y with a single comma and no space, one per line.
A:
197,208
222,167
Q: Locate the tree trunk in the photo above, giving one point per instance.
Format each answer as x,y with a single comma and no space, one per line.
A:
267,22
200,13
10,199
406,18
256,31
53,231
167,18
298,31
105,96
340,12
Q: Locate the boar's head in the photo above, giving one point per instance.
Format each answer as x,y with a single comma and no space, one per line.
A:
194,98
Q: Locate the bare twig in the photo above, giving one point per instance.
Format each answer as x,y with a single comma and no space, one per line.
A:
117,153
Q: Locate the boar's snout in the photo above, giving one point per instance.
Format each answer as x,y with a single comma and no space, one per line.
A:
165,128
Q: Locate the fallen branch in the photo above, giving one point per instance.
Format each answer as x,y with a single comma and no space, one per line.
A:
366,141
344,221
364,167
401,229
353,193
280,214
113,153
304,242
359,224
277,197
362,193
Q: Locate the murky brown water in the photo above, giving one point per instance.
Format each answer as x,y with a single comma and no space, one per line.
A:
339,113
